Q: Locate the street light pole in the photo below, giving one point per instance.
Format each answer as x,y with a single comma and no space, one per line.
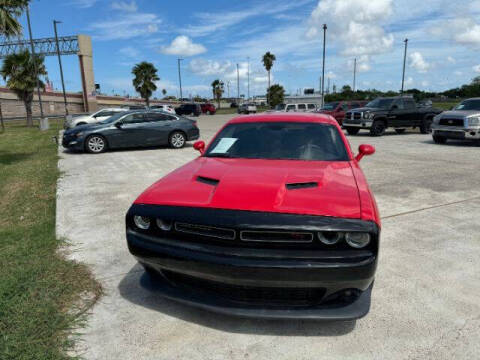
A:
354,72
323,65
248,78
238,86
34,62
404,61
180,79
55,22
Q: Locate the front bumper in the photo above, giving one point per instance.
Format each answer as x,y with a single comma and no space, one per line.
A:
363,123
72,143
459,133
256,282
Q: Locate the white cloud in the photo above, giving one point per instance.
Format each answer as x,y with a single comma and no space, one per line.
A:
330,75
409,81
84,4
129,51
183,45
125,6
462,30
204,67
476,68
418,62
125,26
363,63
458,73
451,60
425,83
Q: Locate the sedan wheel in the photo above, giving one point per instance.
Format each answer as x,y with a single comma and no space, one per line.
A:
96,144
177,140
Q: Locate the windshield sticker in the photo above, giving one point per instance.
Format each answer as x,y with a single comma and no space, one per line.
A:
224,145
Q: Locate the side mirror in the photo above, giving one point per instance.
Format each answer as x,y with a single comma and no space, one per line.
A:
118,125
363,150
199,146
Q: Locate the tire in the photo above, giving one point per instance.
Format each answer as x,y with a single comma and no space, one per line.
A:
400,131
426,126
95,144
439,139
177,140
352,130
209,112
378,128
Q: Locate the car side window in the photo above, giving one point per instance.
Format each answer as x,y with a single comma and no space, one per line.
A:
133,118
409,104
344,107
159,117
399,104
301,107
103,113
290,107
311,106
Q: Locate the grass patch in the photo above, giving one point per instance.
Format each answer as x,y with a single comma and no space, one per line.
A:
445,105
42,295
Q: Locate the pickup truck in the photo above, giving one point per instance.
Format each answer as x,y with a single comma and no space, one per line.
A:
398,112
337,109
461,123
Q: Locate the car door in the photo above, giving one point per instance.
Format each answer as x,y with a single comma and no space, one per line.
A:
411,115
396,114
159,126
131,131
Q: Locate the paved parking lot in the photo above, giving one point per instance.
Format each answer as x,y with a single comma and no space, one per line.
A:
425,302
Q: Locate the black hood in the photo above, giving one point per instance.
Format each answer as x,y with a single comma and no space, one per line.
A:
85,127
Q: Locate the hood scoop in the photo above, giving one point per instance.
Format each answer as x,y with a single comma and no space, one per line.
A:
301,185
207,180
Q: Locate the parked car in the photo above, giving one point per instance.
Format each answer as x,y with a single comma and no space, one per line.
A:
135,128
274,219
384,112
208,109
96,117
134,107
189,109
233,105
461,123
164,107
337,109
302,107
247,108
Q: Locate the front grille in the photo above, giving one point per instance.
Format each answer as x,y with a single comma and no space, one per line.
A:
272,296
357,116
203,230
276,236
451,122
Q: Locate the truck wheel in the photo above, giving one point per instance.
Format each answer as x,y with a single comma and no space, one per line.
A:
439,139
426,126
378,128
352,130
400,131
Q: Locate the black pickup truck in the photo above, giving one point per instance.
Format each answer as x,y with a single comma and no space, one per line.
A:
399,113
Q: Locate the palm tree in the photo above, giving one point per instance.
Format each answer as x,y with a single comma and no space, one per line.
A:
18,70
164,92
268,60
10,10
217,89
144,81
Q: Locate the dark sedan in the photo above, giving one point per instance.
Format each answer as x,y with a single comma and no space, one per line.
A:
138,128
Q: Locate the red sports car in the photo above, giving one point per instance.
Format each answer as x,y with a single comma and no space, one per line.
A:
274,219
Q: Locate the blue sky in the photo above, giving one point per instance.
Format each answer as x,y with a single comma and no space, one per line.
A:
213,36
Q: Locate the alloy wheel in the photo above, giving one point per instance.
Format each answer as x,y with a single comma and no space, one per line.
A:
177,140
96,144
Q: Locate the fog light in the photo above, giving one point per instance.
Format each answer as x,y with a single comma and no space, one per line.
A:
329,237
357,240
164,225
142,222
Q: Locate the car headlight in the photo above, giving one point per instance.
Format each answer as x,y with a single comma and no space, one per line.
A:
436,119
79,134
366,115
474,121
165,225
357,240
329,237
142,222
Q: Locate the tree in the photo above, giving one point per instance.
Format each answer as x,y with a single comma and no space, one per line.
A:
164,92
10,11
268,60
276,94
217,90
18,70
144,80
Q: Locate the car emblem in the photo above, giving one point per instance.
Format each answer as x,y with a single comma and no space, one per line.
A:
450,121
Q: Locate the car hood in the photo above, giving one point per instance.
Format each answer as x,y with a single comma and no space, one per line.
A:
260,185
459,113
86,127
362,109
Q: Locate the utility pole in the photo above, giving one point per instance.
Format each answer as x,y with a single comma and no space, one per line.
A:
34,62
248,77
328,85
323,65
354,72
404,61
228,89
55,22
238,86
180,78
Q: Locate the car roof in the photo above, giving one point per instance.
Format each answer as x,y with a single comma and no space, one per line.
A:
284,117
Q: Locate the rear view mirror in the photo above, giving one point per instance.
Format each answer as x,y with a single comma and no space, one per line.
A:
363,150
199,146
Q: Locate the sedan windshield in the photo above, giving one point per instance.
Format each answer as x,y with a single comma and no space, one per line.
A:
380,103
330,106
469,105
279,140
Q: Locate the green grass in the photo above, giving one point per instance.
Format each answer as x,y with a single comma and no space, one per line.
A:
40,304
445,105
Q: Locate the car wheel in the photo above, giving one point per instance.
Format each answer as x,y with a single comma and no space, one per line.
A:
378,128
439,139
177,140
426,126
352,131
209,112
95,144
400,131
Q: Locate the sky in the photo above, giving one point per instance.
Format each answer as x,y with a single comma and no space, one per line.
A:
213,36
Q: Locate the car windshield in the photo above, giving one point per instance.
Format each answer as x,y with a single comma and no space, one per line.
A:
469,105
112,118
286,140
330,106
280,107
380,103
